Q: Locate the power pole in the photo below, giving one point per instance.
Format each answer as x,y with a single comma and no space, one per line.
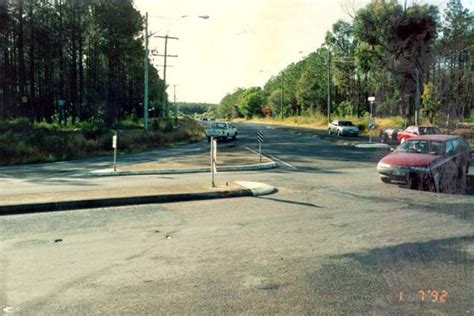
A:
145,83
166,37
329,86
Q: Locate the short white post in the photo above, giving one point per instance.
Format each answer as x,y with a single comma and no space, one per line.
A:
213,160
114,146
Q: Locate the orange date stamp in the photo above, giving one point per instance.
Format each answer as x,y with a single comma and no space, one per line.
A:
431,295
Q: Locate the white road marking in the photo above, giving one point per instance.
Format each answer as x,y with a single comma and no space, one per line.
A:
273,157
283,162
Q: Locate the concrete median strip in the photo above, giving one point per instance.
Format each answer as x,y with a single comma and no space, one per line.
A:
61,201
250,167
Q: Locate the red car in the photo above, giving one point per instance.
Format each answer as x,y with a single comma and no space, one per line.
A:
412,131
433,162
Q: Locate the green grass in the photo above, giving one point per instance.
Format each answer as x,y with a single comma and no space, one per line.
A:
22,142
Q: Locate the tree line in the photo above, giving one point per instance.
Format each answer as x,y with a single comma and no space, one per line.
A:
73,60
416,61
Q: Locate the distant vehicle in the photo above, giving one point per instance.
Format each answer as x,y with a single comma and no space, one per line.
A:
342,128
431,162
389,135
221,130
412,131
204,118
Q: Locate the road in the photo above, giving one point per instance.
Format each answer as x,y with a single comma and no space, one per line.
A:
333,240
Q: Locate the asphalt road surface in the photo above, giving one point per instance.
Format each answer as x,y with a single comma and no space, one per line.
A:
333,240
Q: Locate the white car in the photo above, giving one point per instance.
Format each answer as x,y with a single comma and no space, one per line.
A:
221,130
343,128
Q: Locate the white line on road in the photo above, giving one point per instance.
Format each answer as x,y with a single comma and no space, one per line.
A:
283,162
274,158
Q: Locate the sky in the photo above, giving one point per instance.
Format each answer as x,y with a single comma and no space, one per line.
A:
238,43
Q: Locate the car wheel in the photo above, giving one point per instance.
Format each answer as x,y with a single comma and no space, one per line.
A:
385,180
462,180
429,184
413,182
234,137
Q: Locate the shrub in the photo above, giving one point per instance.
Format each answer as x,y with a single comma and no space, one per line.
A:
92,129
21,125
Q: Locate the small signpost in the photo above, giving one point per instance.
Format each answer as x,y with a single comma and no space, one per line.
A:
213,160
371,119
114,146
260,141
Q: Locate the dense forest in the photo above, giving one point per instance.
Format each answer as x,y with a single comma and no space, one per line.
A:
415,60
73,60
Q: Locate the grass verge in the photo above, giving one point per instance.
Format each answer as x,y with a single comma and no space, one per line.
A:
22,142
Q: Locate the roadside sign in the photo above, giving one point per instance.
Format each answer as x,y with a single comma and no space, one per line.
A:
114,141
371,99
372,123
260,136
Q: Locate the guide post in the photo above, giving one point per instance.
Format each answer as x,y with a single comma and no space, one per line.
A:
114,146
260,141
213,161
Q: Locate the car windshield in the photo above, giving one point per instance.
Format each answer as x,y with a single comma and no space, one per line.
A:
421,147
219,125
429,130
345,123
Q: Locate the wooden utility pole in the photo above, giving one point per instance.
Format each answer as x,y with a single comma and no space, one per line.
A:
166,37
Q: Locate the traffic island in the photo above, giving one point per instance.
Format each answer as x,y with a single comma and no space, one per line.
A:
229,159
67,200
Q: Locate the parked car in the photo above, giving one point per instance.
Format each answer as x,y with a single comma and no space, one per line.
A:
412,131
432,162
221,130
389,135
342,128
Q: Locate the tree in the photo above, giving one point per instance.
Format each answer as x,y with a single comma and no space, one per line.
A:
431,104
402,41
229,106
88,53
251,102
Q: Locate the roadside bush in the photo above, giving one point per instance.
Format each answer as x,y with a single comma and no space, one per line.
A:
92,129
20,125
129,123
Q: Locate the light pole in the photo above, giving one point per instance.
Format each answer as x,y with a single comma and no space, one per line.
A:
329,85
145,83
281,96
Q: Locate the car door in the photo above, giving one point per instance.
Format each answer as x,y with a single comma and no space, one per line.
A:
449,169
334,126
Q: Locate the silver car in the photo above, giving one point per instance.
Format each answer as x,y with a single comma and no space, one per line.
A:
343,128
